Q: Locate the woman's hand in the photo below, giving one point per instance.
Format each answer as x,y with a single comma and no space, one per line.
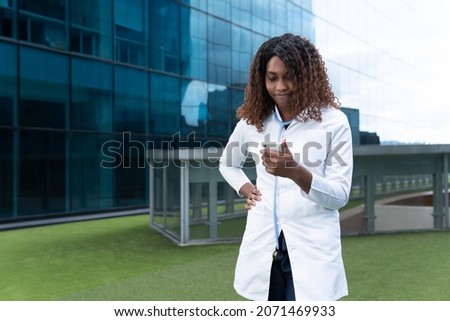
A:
282,163
253,197
279,162
252,193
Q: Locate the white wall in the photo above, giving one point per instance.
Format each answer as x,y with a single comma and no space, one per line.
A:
395,217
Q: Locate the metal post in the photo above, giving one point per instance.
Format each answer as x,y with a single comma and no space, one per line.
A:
369,200
437,200
164,196
184,206
212,210
197,200
230,195
151,194
446,193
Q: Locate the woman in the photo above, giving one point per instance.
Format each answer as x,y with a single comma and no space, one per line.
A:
291,246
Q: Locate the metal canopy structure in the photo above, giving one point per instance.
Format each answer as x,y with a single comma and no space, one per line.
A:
191,203
373,161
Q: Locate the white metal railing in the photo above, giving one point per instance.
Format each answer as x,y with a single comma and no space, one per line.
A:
192,204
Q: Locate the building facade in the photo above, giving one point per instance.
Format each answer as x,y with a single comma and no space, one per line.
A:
87,86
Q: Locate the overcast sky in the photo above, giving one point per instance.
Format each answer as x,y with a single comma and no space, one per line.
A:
406,97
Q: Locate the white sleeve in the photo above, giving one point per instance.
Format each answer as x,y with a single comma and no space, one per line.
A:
233,158
332,189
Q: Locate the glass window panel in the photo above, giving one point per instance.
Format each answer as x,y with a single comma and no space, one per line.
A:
199,210
131,176
237,98
219,126
261,17
48,8
218,107
131,27
6,18
333,71
199,4
219,8
308,29
91,171
193,44
43,91
91,107
241,13
131,186
6,173
165,105
294,14
131,100
308,4
241,56
91,31
165,36
166,202
257,41
194,108
232,215
219,54
42,172
43,22
8,83
277,17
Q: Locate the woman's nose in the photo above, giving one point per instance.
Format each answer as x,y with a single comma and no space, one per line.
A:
281,85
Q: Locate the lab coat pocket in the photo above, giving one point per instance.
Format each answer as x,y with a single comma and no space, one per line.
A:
255,218
322,227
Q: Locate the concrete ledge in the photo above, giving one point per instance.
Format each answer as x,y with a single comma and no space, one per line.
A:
70,219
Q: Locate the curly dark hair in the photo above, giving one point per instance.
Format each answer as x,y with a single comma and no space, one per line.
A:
306,68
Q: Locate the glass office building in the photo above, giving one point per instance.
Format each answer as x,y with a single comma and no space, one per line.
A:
86,86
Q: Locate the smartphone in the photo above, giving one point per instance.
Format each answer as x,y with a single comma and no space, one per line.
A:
271,146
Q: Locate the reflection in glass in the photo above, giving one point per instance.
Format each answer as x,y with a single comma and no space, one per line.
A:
131,26
198,53
194,103
42,172
91,184
131,106
8,83
6,173
193,44
165,105
219,109
205,109
91,30
43,22
131,175
165,36
6,19
219,53
241,56
91,107
43,91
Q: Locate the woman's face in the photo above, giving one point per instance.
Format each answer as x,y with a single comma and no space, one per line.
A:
278,84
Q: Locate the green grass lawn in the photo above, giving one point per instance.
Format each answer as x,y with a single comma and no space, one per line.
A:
122,259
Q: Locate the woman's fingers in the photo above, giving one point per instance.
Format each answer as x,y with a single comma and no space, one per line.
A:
253,197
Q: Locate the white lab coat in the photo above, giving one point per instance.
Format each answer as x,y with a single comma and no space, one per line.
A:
310,222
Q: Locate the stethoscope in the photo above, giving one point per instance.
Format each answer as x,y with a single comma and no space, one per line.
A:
283,125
